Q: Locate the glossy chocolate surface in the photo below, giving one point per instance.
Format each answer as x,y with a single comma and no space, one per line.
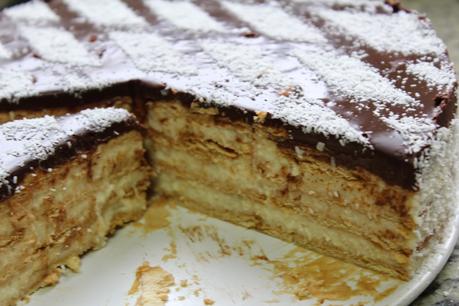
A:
226,81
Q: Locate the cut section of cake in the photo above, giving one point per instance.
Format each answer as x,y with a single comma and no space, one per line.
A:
330,124
256,176
65,183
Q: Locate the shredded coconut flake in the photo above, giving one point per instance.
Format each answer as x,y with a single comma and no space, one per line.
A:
437,171
252,64
36,136
366,5
97,119
314,117
14,84
37,139
150,52
68,78
186,15
290,80
23,140
272,21
351,77
342,2
402,32
33,11
57,45
435,77
416,133
4,53
246,61
106,12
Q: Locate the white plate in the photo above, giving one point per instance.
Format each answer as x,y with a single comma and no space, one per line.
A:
228,265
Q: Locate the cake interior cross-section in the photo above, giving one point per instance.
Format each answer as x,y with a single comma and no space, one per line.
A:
329,124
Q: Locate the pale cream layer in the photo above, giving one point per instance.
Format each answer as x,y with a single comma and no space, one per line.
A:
195,166
174,124
237,171
239,159
285,224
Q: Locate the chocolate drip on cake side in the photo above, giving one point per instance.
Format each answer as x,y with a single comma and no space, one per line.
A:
376,116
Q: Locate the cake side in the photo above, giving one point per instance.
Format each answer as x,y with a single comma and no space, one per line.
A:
69,201
436,201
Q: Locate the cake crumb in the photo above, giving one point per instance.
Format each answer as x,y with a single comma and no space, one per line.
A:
26,299
152,284
208,301
172,252
73,263
320,146
305,275
272,301
51,279
260,117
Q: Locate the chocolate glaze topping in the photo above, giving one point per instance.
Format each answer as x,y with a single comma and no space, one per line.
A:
31,145
369,80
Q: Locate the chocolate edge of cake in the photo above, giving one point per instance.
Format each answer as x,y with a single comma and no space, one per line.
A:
394,170
73,145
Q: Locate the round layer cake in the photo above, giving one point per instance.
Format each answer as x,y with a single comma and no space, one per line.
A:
330,124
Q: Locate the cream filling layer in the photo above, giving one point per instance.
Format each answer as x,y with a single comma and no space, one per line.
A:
195,167
269,167
242,159
283,223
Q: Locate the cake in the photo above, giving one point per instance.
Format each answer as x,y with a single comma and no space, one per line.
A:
66,182
330,124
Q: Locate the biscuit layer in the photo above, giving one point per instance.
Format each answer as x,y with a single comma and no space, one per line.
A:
236,171
69,210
